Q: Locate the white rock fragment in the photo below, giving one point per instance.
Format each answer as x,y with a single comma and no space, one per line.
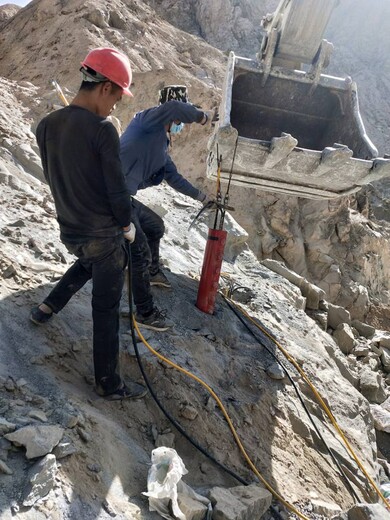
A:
243,502
38,440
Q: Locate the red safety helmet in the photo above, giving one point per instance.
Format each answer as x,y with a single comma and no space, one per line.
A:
112,64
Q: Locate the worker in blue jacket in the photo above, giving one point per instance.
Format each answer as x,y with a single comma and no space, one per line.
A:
146,162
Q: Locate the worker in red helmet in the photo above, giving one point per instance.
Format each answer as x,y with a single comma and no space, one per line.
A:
80,157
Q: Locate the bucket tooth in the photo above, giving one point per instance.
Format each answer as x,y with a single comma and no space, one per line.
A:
380,169
280,148
332,158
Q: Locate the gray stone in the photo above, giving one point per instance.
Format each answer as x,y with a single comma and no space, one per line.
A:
64,449
381,418
84,435
5,175
98,17
355,332
29,160
243,502
5,469
165,439
275,371
38,414
344,337
321,317
71,420
325,509
38,440
373,362
334,275
118,21
94,467
368,512
385,359
282,270
371,386
41,480
365,330
376,350
191,508
341,516
189,412
5,426
386,404
299,426
382,338
323,306
337,315
341,362
9,383
236,240
20,383
5,447
313,295
361,350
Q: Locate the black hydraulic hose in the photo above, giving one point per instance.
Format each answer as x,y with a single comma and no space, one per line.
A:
344,477
226,198
231,169
218,195
153,394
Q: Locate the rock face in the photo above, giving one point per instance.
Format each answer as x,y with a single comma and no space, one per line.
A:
362,45
334,245
225,24
7,11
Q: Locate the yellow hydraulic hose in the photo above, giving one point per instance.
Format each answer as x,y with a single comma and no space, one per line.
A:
221,406
317,395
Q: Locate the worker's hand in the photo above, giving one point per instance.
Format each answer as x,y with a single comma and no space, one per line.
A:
129,233
215,116
210,117
205,198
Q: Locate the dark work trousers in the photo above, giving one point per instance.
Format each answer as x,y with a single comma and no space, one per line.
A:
104,260
145,254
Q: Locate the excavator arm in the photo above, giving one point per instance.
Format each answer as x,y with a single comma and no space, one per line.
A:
297,28
295,130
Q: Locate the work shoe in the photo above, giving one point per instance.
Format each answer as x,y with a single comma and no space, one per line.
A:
39,317
129,390
160,279
154,321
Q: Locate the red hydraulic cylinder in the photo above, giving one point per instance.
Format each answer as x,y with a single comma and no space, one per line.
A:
211,269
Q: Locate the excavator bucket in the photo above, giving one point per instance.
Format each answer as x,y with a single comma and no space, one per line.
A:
287,130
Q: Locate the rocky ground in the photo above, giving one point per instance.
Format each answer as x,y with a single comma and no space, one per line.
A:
64,452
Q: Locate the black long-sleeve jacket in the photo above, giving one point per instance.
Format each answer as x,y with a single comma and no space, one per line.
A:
80,158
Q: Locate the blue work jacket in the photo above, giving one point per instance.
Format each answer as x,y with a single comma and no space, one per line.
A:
144,148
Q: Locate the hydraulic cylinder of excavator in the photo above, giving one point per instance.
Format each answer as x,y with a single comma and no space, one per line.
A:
211,269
